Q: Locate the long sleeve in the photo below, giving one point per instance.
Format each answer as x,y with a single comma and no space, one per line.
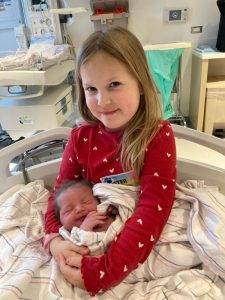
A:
135,242
69,170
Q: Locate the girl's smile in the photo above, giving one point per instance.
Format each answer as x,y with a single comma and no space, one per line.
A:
109,112
112,93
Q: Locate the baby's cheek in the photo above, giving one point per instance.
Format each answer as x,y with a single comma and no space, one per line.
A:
66,222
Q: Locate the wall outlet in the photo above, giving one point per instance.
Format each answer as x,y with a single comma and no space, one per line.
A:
196,29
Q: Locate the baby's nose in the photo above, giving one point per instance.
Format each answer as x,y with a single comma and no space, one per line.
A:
79,208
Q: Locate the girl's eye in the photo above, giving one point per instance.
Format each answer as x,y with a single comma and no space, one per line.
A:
114,84
90,89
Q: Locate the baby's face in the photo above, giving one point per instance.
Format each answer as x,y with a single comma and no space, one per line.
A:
74,204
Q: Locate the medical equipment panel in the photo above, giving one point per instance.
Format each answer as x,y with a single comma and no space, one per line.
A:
40,21
10,18
10,14
41,113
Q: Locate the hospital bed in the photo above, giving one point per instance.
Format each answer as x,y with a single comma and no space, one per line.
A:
25,268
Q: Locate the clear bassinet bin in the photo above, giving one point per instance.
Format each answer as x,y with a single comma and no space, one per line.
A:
26,73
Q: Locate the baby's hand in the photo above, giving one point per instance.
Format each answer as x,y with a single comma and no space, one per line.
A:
93,219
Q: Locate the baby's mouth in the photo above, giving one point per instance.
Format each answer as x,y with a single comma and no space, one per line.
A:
80,220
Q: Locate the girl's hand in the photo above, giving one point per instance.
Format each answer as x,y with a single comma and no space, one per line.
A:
58,246
71,274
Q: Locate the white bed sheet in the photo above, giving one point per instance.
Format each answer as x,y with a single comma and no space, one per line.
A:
188,262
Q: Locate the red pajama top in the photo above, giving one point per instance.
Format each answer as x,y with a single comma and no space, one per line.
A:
92,153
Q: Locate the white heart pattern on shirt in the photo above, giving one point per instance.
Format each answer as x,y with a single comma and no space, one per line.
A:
102,273
95,148
168,154
139,221
164,186
85,140
152,238
159,208
140,245
125,268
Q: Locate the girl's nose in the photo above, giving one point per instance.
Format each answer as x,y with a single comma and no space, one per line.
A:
103,99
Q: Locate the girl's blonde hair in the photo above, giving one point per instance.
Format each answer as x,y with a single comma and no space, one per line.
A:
125,47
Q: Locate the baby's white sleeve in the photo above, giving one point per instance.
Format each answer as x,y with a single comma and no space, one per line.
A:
80,237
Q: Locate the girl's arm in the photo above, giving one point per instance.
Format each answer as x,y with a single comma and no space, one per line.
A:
69,170
134,244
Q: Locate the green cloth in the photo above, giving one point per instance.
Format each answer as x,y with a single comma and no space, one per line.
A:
164,66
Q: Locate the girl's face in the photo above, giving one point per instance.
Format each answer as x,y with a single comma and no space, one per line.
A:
74,204
112,93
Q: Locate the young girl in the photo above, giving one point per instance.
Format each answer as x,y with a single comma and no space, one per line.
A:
124,140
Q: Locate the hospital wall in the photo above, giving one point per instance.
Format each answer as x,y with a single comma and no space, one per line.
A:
146,21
